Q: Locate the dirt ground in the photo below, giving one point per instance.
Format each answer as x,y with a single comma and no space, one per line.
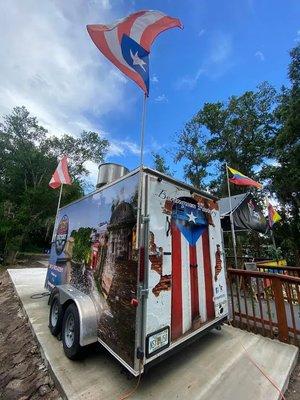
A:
23,374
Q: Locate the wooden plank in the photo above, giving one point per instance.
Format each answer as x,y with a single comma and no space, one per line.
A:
280,310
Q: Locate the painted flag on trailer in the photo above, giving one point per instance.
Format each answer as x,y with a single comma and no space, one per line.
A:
273,215
61,174
192,280
126,43
240,179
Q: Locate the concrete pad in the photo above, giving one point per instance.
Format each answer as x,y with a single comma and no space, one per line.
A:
215,367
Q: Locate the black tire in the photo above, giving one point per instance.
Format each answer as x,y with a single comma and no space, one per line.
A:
55,316
71,332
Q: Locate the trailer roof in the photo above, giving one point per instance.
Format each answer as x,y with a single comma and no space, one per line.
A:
193,189
152,172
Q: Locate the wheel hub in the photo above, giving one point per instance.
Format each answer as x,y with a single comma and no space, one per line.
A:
54,314
69,330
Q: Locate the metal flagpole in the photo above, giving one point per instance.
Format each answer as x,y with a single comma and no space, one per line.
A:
140,191
142,246
58,207
231,220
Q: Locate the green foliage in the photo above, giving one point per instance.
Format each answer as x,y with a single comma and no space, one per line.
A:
88,146
28,158
274,253
82,245
191,149
284,173
160,164
237,132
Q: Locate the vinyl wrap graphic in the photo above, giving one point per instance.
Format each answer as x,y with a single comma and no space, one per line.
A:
187,288
94,250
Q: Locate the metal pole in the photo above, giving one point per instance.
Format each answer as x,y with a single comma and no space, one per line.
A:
231,221
141,242
140,191
274,244
58,207
143,131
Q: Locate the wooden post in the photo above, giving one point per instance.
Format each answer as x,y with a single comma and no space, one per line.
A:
280,310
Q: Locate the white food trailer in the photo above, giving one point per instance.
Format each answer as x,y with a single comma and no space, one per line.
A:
138,266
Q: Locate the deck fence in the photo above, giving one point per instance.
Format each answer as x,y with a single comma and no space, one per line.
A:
266,303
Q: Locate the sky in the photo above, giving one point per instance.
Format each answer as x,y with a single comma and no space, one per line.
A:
50,65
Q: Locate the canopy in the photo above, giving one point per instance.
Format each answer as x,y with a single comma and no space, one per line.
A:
247,215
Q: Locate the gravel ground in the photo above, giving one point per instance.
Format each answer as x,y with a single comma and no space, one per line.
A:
293,392
23,374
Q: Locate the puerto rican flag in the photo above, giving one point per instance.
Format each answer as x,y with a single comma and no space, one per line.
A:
126,43
192,280
61,175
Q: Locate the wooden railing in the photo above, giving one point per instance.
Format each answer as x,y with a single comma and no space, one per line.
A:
266,303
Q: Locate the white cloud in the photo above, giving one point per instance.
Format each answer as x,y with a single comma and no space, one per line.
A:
50,65
154,79
201,32
189,81
221,49
121,147
162,98
218,61
260,55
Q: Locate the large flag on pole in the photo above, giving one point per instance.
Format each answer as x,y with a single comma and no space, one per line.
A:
240,179
61,174
273,215
126,43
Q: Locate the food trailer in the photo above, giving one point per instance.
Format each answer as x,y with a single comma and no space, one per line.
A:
138,266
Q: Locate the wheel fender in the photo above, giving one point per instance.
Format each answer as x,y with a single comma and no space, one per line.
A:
86,309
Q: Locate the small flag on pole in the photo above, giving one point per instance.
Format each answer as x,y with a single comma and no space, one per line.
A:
61,175
126,42
240,179
273,215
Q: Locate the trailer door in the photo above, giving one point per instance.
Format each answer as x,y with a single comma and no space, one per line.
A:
192,287
184,244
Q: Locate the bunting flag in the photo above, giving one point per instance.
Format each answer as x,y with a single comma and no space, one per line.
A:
240,179
61,175
126,43
273,215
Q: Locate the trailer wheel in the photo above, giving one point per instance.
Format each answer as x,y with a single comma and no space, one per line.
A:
70,333
55,316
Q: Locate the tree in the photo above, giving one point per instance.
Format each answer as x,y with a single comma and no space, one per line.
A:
28,158
237,132
258,129
191,149
160,164
284,172
88,146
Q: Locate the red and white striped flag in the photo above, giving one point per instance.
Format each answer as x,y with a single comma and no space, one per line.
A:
61,174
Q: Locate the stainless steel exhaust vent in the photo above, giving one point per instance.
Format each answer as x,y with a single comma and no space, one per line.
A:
109,172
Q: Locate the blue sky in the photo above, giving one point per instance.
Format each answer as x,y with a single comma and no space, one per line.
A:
225,48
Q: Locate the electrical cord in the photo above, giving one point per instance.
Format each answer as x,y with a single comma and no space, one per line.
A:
260,368
129,394
40,295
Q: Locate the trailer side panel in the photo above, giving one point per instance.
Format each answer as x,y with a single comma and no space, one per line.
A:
94,251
